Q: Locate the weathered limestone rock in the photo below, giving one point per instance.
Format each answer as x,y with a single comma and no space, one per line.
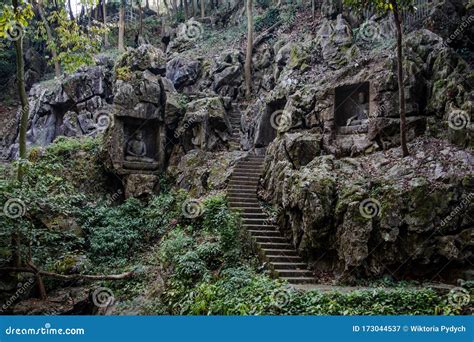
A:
136,141
182,72
362,216
200,172
141,185
71,106
205,125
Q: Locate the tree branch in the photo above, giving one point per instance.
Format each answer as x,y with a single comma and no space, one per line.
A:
121,276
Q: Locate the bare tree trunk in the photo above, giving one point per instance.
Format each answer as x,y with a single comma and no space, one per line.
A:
20,79
147,5
51,44
121,45
248,58
186,9
313,8
203,8
195,8
71,14
104,13
140,8
401,88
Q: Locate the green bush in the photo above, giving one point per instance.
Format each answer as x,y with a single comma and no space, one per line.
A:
239,291
267,19
197,247
115,234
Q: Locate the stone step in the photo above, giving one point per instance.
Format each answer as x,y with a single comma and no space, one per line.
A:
264,233
242,201
254,176
239,192
239,182
249,210
246,163
276,245
260,226
273,239
284,258
294,273
250,215
249,169
289,265
279,252
250,172
253,221
247,189
299,280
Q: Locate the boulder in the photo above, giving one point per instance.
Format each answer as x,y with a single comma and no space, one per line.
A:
205,125
361,216
182,72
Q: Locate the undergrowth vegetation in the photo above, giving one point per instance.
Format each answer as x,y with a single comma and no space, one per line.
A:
205,260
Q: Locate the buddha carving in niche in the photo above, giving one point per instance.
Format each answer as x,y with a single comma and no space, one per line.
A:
136,149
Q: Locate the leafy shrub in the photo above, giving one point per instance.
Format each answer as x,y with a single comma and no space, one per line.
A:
268,19
118,233
197,247
239,291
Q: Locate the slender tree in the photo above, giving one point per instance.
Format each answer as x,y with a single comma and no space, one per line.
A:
49,34
203,8
104,14
71,13
401,89
395,7
121,45
140,10
12,23
248,58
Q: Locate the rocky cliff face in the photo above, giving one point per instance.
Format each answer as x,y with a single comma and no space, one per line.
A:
71,106
377,214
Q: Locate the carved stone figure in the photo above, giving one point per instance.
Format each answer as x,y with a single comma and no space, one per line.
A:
136,149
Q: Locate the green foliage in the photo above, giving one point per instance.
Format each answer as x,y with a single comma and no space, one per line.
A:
269,18
123,73
380,6
197,247
115,234
7,64
14,20
239,291
76,45
263,3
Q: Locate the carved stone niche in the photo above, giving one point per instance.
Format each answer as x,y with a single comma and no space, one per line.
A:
351,108
138,144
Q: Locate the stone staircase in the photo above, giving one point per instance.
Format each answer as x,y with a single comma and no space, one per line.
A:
235,117
280,255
